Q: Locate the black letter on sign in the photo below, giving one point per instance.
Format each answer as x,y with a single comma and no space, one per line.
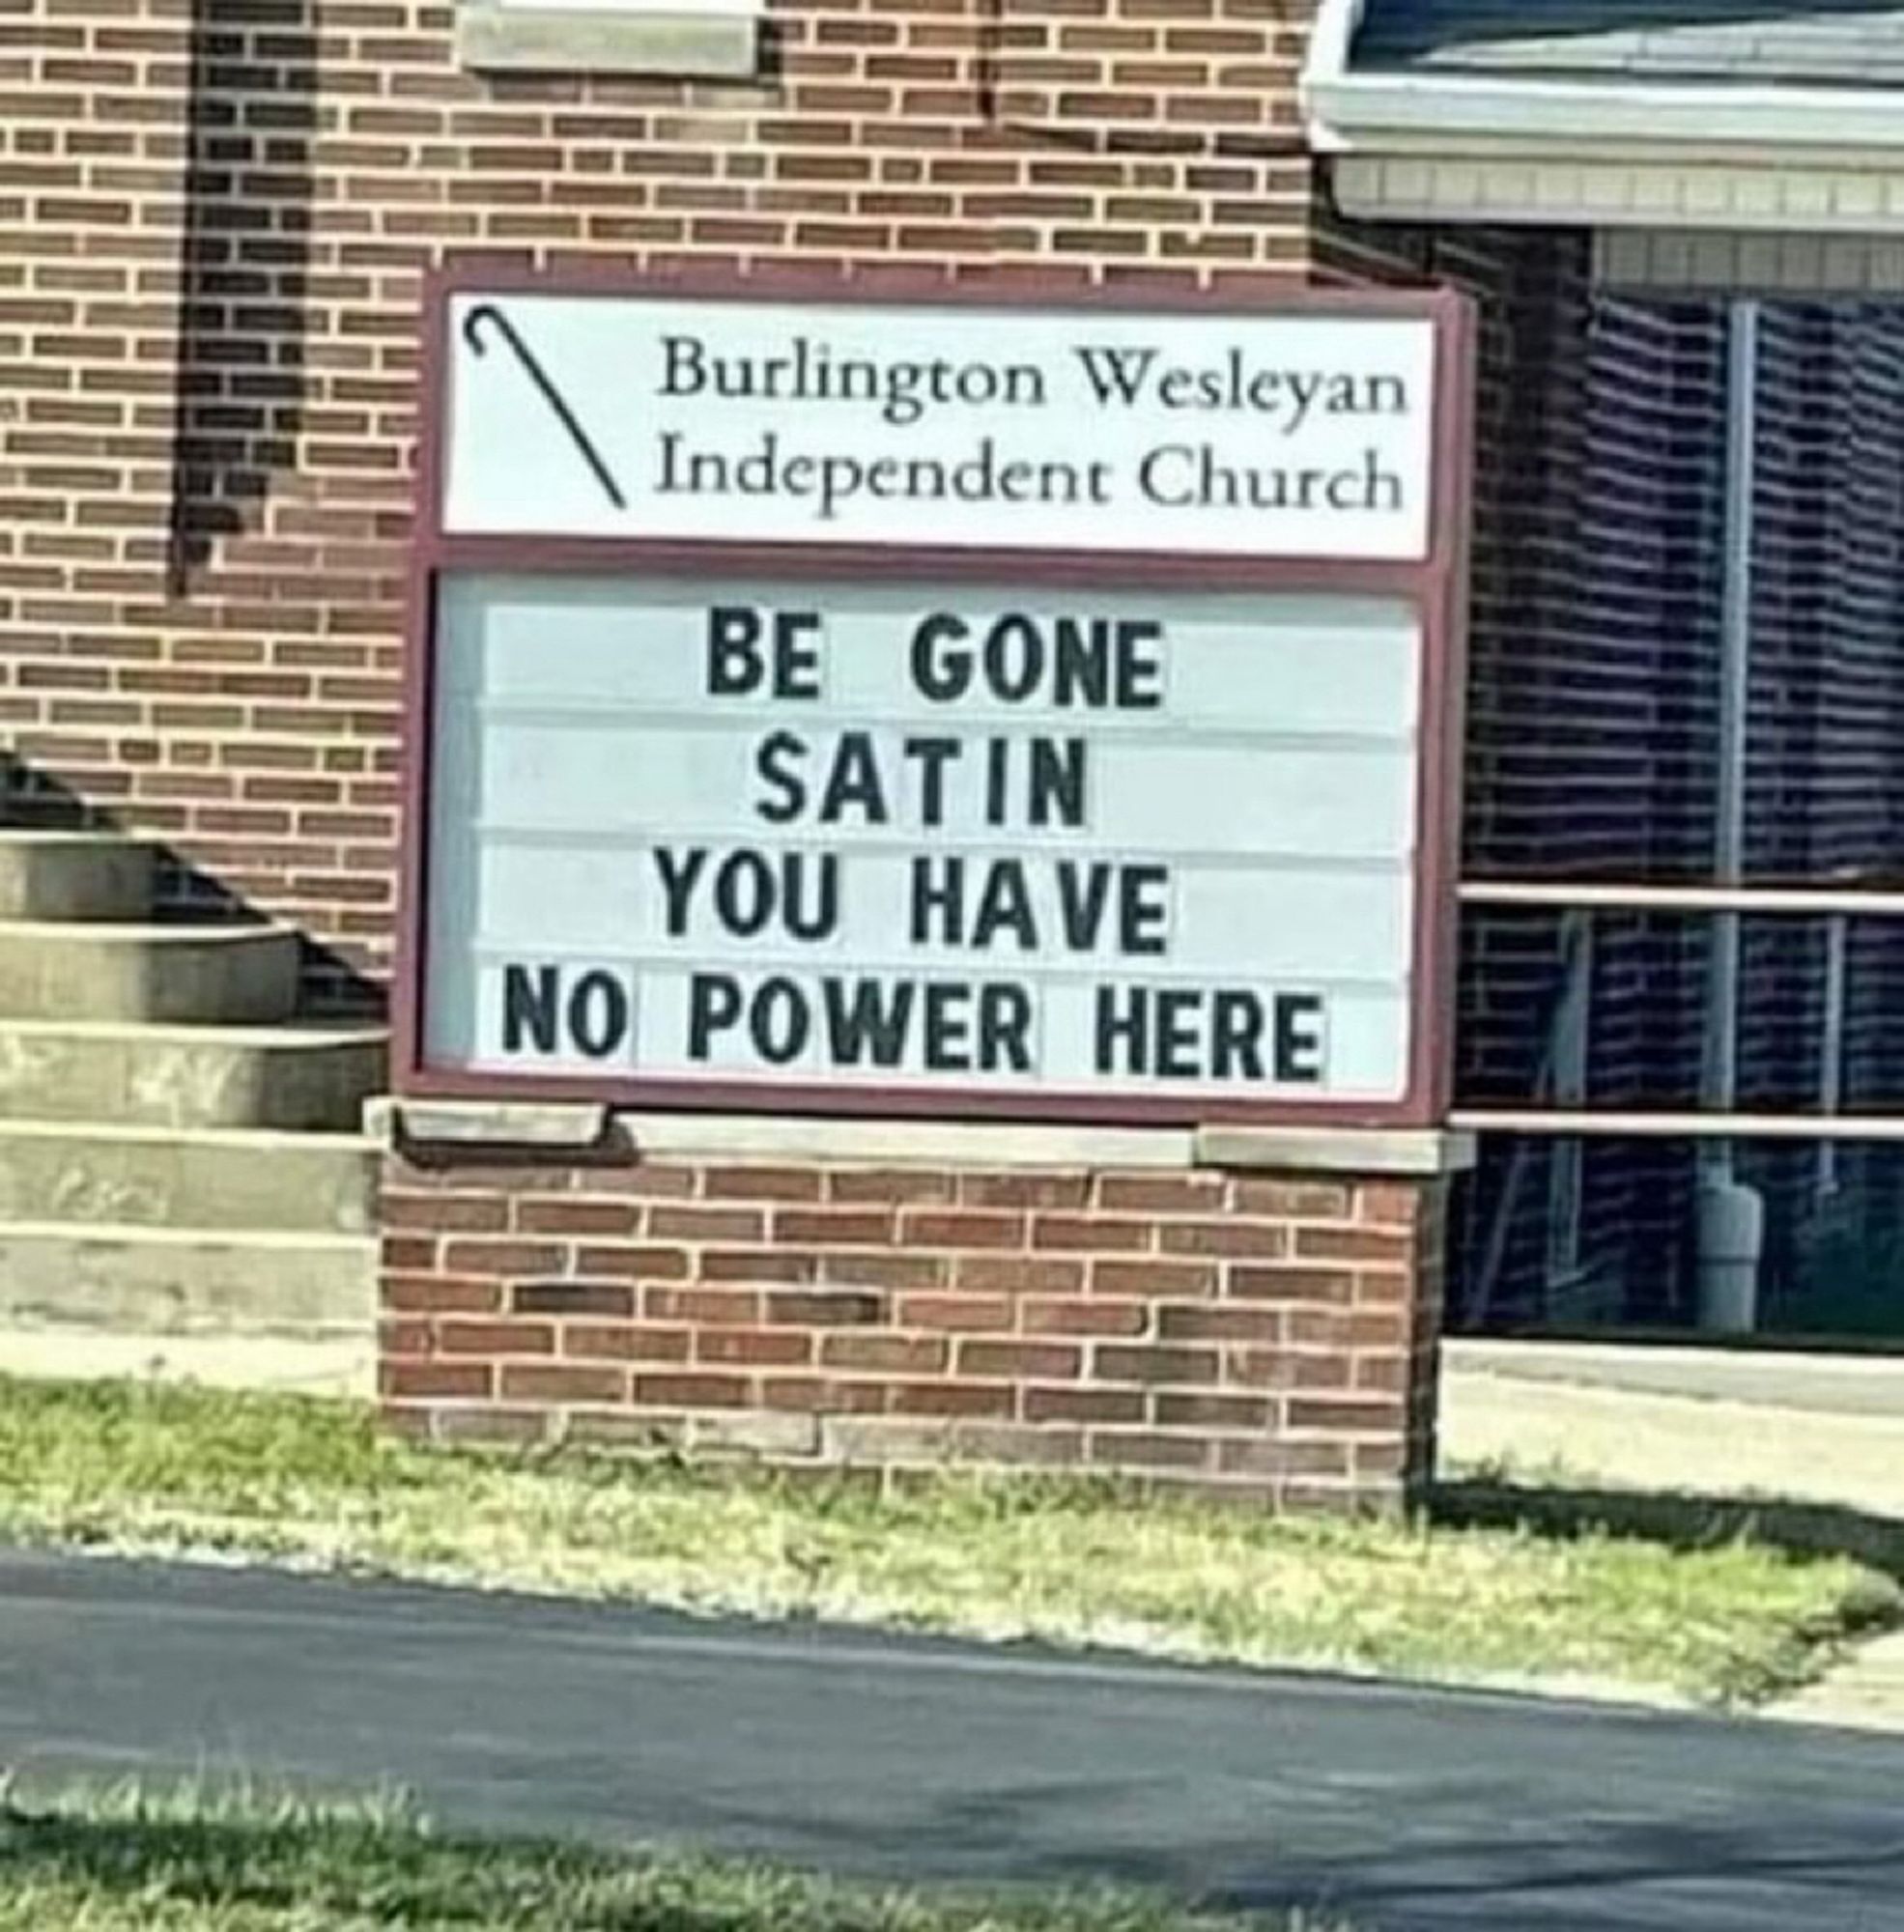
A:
744,893
1178,1014
1124,1029
948,1026
998,755
1299,1034
930,755
938,900
1057,782
714,1005
678,874
855,782
941,678
1142,910
598,1010
774,754
781,1022
1082,893
1005,904
1014,678
821,919
867,1020
1139,675
1005,1025
530,1005
1236,1028
734,665
796,660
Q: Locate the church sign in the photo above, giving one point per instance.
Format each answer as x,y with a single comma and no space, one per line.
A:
938,706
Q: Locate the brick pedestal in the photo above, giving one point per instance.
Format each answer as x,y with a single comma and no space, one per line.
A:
1227,1311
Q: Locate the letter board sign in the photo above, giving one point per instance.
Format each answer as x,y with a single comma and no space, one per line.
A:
895,793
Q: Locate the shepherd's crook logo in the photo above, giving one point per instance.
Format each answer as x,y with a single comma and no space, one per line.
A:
486,318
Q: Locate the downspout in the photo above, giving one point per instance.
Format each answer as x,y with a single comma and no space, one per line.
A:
1731,1215
1326,66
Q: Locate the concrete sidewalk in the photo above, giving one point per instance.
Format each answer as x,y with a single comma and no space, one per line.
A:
1823,1383
1815,1429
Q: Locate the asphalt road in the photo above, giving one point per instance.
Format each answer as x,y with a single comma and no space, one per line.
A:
1415,1813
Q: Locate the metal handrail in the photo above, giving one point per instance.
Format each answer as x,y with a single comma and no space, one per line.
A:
1616,895
1564,1123
1586,896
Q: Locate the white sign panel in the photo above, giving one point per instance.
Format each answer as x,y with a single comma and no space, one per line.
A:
1204,432
975,840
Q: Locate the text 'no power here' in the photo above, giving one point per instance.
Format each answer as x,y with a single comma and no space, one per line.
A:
962,838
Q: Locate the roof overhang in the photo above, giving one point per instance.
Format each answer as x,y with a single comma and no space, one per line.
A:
1452,147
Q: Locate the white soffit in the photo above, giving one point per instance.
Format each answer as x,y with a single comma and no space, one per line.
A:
1558,190
1676,261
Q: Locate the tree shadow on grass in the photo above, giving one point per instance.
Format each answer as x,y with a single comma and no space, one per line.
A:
215,1859
292,1864
1678,1519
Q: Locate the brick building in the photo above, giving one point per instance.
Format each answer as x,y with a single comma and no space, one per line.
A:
219,216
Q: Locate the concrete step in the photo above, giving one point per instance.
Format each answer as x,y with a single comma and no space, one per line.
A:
57,875
76,1173
181,1076
328,1360
185,1281
234,974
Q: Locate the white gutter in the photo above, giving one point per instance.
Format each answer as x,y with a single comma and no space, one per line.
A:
1348,112
1330,40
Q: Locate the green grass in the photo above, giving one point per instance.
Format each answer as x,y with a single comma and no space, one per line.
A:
172,1470
196,1861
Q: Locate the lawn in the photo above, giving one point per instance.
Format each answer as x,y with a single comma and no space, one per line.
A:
168,1471
198,1863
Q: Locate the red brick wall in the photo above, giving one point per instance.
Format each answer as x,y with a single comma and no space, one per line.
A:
217,215
1267,1334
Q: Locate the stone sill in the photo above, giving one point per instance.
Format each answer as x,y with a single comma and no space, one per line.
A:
676,42
549,1131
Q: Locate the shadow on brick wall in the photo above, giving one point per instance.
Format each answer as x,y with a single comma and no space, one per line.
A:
251,121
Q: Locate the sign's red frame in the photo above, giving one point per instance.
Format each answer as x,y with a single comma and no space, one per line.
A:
1437,587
